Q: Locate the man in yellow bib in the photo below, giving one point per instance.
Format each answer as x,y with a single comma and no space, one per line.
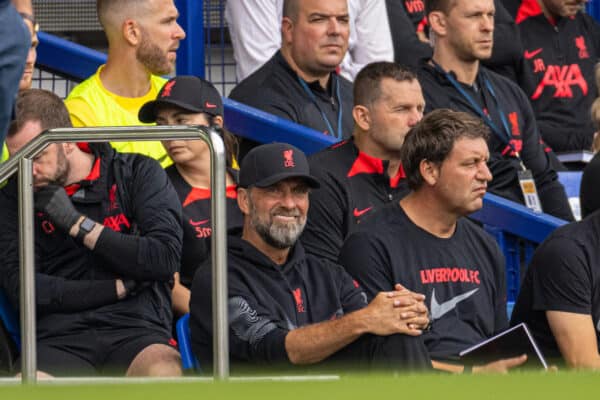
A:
143,37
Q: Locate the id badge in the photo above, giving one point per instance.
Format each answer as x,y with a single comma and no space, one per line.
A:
530,194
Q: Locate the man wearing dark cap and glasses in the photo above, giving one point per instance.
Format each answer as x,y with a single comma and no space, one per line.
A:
289,308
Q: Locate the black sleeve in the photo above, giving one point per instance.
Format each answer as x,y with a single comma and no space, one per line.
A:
253,336
550,190
561,277
154,254
589,195
52,293
500,315
366,260
324,233
280,106
352,296
408,49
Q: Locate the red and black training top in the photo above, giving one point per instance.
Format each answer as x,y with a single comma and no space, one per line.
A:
557,74
196,222
353,185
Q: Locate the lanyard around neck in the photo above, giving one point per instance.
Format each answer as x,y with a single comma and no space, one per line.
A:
505,136
313,98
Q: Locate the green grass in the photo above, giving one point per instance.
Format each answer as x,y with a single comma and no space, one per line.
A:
529,385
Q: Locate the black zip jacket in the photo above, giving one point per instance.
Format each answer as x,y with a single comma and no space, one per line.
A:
75,287
275,88
524,137
266,301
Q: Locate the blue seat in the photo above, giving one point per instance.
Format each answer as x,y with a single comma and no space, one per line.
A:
510,305
188,360
571,180
10,319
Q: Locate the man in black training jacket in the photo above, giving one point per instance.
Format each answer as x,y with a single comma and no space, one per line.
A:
107,243
289,308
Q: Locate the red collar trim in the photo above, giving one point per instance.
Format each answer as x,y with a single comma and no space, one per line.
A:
92,176
528,8
394,181
85,147
366,164
204,194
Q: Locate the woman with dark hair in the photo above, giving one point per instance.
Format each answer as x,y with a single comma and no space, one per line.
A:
188,100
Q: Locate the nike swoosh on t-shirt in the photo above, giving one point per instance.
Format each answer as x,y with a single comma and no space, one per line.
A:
439,310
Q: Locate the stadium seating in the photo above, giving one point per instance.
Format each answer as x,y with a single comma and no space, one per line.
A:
188,360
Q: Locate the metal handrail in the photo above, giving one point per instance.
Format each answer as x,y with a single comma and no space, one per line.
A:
22,161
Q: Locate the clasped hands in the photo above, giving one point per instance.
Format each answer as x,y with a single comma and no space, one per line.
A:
399,311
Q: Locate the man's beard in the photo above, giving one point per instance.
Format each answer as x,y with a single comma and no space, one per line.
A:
62,168
152,57
278,235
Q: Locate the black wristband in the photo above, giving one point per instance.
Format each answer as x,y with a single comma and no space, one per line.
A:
85,227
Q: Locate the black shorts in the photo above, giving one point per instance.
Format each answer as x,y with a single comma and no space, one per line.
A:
107,352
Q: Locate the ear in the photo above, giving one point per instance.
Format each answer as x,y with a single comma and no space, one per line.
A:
429,171
362,117
68,148
131,32
438,23
218,120
242,200
287,30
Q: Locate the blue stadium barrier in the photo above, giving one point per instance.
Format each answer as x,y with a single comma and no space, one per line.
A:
188,360
263,127
593,8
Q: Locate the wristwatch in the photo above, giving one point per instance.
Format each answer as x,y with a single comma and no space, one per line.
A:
85,227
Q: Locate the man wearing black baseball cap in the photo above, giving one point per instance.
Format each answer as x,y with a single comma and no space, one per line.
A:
290,308
188,100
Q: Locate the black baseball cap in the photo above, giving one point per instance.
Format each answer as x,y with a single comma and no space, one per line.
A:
188,92
268,164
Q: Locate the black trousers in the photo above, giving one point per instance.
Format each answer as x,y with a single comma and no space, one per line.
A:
394,353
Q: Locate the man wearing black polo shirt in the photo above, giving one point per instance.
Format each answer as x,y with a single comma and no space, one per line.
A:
454,78
288,308
425,243
363,173
300,82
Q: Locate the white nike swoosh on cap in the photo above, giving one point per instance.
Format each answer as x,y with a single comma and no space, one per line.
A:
439,310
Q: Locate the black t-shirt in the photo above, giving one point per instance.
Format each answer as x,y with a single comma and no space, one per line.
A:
353,186
196,222
462,277
564,275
